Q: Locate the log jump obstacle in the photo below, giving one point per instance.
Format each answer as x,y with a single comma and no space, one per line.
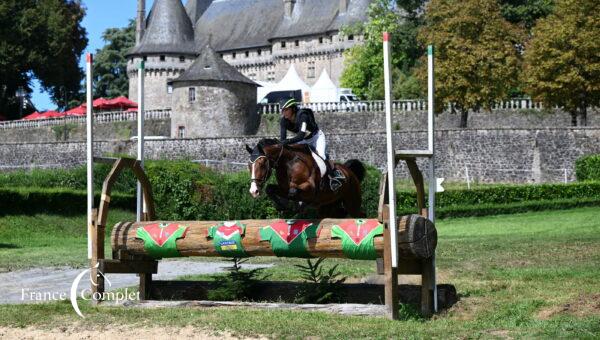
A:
137,246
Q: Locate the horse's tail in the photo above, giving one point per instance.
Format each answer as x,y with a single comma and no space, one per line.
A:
357,168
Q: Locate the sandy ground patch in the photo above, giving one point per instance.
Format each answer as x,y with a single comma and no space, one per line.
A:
584,305
115,332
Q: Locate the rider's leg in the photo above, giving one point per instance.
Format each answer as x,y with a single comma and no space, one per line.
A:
334,176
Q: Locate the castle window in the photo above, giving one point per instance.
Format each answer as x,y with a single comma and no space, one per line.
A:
169,87
271,76
297,42
181,132
233,55
259,52
162,58
320,40
192,94
283,44
247,54
351,37
311,72
182,59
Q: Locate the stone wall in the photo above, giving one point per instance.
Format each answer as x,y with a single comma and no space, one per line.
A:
417,120
77,132
491,155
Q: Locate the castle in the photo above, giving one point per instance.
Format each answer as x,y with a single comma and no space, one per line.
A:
260,38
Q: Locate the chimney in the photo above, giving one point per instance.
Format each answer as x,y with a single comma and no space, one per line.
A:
288,7
140,21
344,6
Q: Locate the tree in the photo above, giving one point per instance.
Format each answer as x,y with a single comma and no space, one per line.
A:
562,61
40,39
110,67
363,70
526,12
476,52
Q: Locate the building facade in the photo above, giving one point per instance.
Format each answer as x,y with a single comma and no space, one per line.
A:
260,38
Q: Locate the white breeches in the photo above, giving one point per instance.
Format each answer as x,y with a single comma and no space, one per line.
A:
318,143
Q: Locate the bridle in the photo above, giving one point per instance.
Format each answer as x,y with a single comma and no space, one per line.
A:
261,181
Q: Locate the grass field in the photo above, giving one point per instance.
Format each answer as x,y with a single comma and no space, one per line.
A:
524,275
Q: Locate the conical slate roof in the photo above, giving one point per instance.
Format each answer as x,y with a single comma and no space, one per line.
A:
209,66
169,30
195,9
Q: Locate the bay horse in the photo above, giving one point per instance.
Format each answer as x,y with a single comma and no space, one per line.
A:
299,180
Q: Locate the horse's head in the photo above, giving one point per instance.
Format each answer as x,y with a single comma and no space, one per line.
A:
260,165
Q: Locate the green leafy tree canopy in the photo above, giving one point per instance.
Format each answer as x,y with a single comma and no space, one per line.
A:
40,39
476,51
562,60
363,70
110,67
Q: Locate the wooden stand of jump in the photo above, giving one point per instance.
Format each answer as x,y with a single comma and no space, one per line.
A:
129,256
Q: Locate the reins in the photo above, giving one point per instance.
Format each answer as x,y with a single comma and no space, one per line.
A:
271,167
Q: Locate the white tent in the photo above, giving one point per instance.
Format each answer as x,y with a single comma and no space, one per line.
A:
292,82
324,90
263,90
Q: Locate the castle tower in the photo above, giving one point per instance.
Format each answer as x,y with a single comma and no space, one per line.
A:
140,21
167,46
195,9
213,99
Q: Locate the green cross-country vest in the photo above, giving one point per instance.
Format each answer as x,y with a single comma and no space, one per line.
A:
358,238
160,239
288,238
227,238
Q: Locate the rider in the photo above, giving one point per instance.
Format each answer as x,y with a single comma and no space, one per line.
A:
302,122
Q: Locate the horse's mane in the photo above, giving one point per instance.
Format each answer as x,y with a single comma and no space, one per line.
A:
274,141
268,142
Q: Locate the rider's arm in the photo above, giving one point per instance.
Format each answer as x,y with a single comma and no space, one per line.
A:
282,129
300,136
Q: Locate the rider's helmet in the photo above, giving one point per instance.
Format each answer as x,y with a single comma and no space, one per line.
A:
288,103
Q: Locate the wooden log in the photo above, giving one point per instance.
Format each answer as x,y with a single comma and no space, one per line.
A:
417,239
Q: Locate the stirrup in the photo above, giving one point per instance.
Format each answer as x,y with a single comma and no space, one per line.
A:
337,174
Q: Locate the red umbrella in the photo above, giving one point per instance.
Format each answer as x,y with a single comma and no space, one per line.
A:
122,102
45,115
133,109
33,116
52,114
2,118
77,111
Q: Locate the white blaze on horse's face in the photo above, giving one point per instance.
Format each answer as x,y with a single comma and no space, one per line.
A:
254,190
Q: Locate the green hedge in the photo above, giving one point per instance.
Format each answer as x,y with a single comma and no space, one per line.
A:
187,191
54,200
74,178
587,168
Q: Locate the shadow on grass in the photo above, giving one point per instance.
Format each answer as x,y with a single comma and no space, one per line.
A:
8,246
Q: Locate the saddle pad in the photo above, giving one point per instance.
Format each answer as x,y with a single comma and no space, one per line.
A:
320,162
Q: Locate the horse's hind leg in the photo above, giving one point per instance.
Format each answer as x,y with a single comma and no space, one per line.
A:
333,210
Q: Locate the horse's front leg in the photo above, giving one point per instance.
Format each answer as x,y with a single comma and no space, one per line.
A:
278,197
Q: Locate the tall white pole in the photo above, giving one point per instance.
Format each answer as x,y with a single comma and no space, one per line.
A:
90,148
430,130
391,152
140,145
430,141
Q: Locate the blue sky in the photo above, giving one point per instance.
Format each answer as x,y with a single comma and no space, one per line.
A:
101,14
